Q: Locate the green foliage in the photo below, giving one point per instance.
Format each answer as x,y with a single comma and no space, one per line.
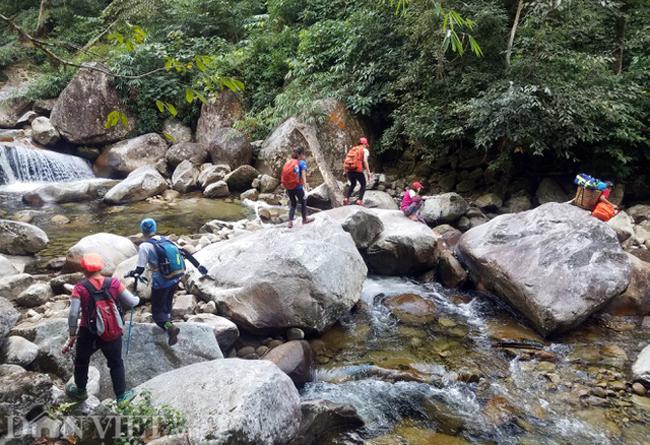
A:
50,84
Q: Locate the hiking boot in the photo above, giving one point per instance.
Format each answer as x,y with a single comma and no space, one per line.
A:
290,224
75,393
307,220
124,398
346,201
172,334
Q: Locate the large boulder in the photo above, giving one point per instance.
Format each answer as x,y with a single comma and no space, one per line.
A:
336,131
229,146
550,191
73,191
8,317
217,189
294,358
11,286
444,209
274,279
81,110
35,295
323,422
636,298
124,157
114,249
7,268
405,247
364,226
141,184
225,331
231,401
379,200
241,179
19,351
623,225
187,151
178,131
43,132
639,212
149,354
18,238
641,367
185,177
13,100
555,264
221,111
210,173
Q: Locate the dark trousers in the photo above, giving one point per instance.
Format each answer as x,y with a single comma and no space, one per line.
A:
161,304
297,196
89,343
355,177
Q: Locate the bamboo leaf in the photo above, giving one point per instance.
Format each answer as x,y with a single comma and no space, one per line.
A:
189,95
169,137
161,106
172,109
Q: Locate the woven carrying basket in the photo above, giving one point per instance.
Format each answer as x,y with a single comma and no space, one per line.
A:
586,198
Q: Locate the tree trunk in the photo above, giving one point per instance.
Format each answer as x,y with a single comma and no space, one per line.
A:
335,193
620,42
40,24
513,31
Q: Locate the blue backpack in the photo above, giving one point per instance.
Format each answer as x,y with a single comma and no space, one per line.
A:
171,263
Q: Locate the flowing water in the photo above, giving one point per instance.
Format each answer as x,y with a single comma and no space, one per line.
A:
463,377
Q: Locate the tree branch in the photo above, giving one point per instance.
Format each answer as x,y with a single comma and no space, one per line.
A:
57,60
513,31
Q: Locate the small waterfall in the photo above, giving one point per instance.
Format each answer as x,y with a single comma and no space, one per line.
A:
20,163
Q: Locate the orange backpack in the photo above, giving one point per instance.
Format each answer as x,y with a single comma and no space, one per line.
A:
603,211
290,177
354,159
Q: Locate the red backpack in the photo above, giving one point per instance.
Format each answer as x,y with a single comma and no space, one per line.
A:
354,159
289,178
104,316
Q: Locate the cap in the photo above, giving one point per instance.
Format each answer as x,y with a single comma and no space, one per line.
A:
363,141
148,226
92,262
417,185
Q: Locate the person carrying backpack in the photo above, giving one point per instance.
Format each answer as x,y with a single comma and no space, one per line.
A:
100,300
167,263
412,202
357,169
294,180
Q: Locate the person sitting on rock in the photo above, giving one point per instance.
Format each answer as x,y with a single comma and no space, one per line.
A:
167,262
357,169
604,196
100,300
294,180
412,202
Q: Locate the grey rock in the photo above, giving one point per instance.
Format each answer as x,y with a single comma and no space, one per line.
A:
94,377
555,264
379,200
114,249
73,191
126,156
639,213
11,286
273,279
623,225
8,317
550,191
517,204
19,351
13,102
218,189
232,401
127,265
7,267
183,305
324,422
294,358
221,111
44,107
35,295
26,119
22,393
445,208
210,174
641,367
141,184
80,111
635,300
364,226
229,146
450,272
185,177
18,238
489,202
43,132
251,194
225,331
187,151
268,184
241,178
178,131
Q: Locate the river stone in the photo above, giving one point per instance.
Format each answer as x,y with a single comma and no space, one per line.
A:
636,298
294,358
275,278
80,111
35,295
11,286
22,393
445,208
225,331
141,184
364,226
218,189
43,132
178,131
449,271
8,317
231,401
516,204
73,191
489,202
126,156
185,177
641,367
319,197
323,422
550,191
19,351
623,225
194,152
450,236
18,238
149,354
639,213
112,248
411,309
7,267
379,200
126,266
556,264
210,174
268,184
241,178
221,111
229,146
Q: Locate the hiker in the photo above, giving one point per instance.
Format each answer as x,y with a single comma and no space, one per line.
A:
412,202
294,179
167,263
604,197
100,300
357,169
604,209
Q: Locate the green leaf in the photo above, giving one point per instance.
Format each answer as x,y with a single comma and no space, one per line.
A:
189,95
202,98
169,63
200,65
169,137
161,105
172,109
112,119
124,120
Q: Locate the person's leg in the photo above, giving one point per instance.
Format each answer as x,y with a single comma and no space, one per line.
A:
86,347
292,206
300,194
353,183
171,329
113,353
362,181
158,298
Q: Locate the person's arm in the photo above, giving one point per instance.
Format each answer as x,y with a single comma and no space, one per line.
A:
127,299
303,174
141,264
194,261
73,318
607,201
366,166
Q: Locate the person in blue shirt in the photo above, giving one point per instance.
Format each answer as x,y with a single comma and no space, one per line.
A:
295,181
